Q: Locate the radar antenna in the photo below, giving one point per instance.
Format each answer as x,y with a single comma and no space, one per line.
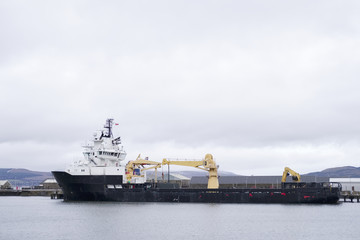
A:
117,141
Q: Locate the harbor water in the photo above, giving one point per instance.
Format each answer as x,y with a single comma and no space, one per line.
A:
41,218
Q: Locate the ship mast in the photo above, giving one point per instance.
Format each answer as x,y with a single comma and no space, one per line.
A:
108,125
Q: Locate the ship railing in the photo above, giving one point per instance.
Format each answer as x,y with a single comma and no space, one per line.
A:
311,185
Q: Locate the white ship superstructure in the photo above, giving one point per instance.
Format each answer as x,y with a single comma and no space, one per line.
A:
104,155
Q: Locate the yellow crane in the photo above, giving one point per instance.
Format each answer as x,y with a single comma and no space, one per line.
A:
139,162
295,176
207,164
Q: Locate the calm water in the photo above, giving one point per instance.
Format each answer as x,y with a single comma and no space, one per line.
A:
41,218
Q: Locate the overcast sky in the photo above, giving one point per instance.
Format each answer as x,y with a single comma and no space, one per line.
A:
259,84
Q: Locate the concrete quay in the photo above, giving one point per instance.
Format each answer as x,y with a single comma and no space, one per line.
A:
31,192
350,196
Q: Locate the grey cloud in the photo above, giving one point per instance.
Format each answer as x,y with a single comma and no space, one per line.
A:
238,78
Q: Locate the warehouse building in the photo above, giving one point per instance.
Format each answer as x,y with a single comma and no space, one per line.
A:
49,183
348,184
175,178
5,184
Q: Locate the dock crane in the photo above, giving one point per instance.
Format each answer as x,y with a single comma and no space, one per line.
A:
139,162
287,171
207,164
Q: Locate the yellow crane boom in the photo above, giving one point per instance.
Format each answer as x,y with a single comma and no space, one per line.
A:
131,165
207,164
287,171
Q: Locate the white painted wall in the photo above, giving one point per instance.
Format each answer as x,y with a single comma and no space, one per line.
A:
348,183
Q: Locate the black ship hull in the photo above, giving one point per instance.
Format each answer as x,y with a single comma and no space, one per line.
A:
110,188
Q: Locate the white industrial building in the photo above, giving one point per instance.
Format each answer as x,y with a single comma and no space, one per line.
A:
348,184
5,184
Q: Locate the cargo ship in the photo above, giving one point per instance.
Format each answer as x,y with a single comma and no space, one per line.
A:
102,175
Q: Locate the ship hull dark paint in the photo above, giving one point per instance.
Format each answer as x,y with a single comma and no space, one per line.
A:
106,188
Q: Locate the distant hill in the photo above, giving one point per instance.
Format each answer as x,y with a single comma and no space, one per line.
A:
23,177
338,172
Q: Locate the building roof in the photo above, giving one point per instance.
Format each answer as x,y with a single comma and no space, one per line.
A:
178,176
345,180
49,180
2,182
173,176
